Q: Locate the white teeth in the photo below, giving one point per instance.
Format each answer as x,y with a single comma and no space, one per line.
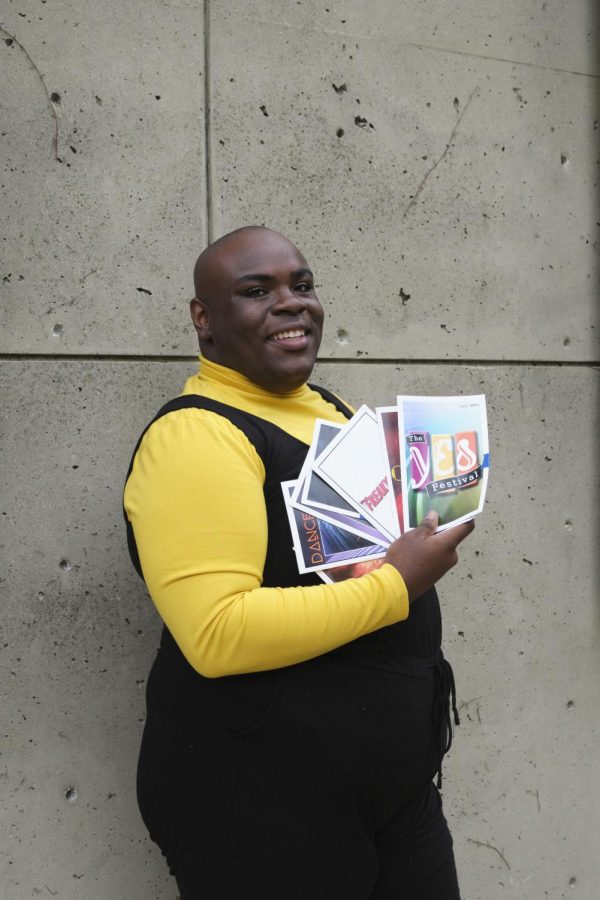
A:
281,335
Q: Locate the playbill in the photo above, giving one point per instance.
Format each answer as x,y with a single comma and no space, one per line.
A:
445,458
353,464
320,544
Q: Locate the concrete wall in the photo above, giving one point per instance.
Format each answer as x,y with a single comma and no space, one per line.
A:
438,165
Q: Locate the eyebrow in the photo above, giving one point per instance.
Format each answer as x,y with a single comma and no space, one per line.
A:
299,273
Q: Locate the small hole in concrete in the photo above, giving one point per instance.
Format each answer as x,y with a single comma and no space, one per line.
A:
8,41
58,330
572,881
65,565
566,342
570,704
564,159
55,97
339,133
568,525
71,795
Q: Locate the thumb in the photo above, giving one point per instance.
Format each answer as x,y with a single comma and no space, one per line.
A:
430,521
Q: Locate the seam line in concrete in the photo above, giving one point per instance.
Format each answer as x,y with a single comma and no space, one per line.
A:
556,363
332,361
207,125
433,48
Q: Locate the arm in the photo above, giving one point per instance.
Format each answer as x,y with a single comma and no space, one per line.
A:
195,500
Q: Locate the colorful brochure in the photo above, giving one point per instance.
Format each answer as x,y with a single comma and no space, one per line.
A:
355,467
366,482
357,524
387,422
354,570
310,489
319,544
445,458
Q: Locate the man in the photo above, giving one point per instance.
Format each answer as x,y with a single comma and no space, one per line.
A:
293,727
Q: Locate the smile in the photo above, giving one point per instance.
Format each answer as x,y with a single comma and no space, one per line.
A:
290,334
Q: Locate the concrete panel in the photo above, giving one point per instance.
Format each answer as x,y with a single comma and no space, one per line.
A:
549,34
522,629
103,174
452,197
521,619
78,635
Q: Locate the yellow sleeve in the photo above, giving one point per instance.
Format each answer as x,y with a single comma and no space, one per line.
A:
195,501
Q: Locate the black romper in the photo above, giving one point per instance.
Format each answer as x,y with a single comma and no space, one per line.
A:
310,781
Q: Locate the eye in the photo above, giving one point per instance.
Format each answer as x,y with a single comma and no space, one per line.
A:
305,287
255,293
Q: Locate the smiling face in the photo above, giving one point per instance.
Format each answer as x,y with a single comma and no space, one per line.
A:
256,310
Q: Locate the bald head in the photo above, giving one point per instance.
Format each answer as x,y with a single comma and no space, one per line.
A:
212,265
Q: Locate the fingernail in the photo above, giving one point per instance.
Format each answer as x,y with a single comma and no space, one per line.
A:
431,516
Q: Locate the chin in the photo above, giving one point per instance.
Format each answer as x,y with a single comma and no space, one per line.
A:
282,382
300,375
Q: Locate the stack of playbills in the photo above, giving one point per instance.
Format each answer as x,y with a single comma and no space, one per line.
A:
365,483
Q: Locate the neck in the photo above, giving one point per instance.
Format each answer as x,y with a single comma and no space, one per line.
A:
212,371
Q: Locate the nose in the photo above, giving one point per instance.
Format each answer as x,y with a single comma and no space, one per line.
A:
288,302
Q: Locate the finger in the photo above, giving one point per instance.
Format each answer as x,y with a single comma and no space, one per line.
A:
430,521
458,533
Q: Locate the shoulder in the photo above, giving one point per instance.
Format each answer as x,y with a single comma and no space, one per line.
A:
192,436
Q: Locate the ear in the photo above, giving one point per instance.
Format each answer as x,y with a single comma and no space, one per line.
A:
200,318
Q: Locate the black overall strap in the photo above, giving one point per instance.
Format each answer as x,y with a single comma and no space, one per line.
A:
251,426
186,401
331,398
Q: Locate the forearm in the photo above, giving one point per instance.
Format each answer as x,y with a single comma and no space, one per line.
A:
240,631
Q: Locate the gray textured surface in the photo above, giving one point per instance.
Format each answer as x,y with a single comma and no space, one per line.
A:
520,616
463,182
549,34
95,248
78,637
494,260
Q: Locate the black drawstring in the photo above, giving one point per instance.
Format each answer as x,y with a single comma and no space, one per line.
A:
445,700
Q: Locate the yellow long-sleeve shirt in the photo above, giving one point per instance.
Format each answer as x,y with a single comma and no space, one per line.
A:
196,504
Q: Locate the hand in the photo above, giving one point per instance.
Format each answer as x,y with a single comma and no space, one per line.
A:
422,557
